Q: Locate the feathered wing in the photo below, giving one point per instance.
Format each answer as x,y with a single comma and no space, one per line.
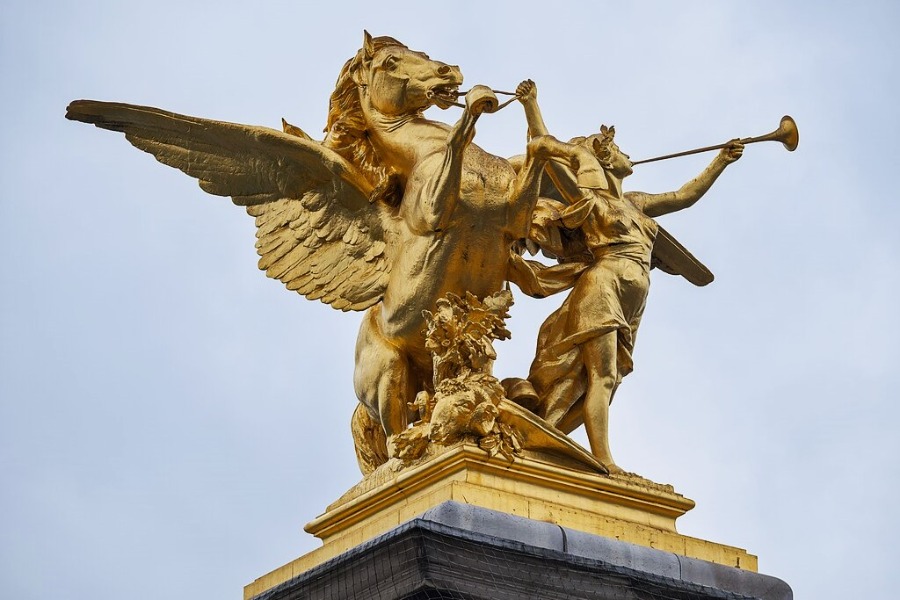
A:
316,230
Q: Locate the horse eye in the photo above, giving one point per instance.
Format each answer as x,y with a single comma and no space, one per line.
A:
390,62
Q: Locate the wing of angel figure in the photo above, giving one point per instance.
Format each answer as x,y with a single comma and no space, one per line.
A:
317,232
669,256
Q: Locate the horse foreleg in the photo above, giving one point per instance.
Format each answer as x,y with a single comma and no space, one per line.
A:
527,188
432,191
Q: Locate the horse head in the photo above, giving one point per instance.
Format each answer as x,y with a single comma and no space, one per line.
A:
399,81
386,77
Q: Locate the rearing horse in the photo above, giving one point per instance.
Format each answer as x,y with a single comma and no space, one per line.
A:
389,213
461,210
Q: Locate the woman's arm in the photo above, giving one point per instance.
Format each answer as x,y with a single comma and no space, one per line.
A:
655,205
563,178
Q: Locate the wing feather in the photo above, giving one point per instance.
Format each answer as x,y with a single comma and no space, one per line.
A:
316,230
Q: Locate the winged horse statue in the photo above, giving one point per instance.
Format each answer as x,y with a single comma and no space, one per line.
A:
389,213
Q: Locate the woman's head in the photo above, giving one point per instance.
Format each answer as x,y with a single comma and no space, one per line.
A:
611,158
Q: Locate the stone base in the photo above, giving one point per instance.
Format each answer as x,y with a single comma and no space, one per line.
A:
626,508
463,552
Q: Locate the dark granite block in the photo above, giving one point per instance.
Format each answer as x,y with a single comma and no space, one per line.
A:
461,552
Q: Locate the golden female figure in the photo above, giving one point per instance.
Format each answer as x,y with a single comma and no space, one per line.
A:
585,347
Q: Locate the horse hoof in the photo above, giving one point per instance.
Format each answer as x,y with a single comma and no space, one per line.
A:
481,99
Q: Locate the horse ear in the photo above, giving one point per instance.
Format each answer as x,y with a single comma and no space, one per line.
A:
368,46
603,129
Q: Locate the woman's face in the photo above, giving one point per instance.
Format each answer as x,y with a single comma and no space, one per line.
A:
620,163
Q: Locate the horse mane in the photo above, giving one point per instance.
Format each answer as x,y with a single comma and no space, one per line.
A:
346,128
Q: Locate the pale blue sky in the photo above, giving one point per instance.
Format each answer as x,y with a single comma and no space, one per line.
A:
169,418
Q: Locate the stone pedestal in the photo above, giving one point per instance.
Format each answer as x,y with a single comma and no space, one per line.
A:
461,509
463,552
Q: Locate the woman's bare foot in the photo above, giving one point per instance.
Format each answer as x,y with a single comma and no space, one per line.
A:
613,468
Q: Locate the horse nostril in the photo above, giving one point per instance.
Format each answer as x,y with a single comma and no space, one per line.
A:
443,70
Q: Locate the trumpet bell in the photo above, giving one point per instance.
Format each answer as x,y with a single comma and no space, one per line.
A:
787,133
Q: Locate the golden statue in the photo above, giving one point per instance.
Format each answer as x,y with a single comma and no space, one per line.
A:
409,220
585,348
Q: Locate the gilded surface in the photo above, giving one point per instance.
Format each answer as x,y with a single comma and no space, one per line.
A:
409,220
584,348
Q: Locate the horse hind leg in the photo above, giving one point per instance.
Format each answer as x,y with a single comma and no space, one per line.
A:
368,439
381,380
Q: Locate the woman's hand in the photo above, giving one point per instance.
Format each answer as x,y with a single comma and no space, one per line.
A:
526,92
733,151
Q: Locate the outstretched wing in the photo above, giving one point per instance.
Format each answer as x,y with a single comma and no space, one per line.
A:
316,230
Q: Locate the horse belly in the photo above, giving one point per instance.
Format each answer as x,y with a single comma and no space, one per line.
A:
433,266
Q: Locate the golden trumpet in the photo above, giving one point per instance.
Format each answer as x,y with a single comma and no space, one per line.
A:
786,133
